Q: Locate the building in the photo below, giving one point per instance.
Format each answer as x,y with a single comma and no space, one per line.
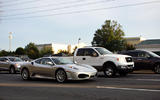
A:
134,40
150,45
56,47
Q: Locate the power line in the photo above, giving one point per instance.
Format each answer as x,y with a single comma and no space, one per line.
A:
32,1
91,10
58,8
47,5
17,3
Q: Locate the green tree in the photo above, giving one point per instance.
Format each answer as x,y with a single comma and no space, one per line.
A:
64,52
110,36
45,51
20,51
130,47
4,53
32,51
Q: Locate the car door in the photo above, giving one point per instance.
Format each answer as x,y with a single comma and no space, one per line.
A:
91,57
4,63
79,58
1,63
87,56
143,60
44,67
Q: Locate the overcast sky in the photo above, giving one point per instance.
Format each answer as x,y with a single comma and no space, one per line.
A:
64,21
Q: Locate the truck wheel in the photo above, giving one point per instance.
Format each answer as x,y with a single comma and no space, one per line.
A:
109,70
12,70
123,73
157,69
61,76
25,74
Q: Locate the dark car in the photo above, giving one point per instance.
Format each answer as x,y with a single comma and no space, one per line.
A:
145,60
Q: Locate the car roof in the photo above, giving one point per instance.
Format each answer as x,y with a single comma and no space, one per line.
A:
89,47
135,51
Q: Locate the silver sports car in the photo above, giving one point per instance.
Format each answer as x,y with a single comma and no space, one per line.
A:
58,68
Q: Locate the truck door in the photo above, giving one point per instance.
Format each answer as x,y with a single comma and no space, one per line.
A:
87,56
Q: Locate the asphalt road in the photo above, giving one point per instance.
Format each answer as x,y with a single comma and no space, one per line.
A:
132,87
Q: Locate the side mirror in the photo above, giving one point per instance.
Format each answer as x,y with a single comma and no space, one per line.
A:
32,63
94,54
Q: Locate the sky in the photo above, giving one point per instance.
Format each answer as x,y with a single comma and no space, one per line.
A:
65,21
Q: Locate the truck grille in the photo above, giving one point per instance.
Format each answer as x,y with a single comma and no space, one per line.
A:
129,59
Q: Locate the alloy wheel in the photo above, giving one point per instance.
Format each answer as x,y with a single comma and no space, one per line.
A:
61,76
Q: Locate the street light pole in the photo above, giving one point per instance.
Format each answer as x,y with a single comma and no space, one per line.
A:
79,41
10,38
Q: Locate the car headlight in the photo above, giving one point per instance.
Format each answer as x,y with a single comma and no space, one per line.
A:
17,65
73,67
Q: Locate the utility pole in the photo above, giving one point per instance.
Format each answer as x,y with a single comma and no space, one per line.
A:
79,41
10,38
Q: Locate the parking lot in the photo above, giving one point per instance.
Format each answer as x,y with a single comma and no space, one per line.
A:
135,86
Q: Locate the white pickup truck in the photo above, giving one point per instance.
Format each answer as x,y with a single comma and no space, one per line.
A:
104,60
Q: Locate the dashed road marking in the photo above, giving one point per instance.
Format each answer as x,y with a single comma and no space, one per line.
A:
130,89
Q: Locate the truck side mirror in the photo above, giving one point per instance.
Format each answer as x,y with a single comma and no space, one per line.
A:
94,54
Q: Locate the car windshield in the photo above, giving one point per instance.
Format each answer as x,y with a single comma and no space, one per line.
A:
62,61
153,54
15,59
103,51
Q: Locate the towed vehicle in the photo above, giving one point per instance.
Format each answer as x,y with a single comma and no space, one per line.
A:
61,69
11,64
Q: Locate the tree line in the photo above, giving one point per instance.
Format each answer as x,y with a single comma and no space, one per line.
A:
109,36
30,50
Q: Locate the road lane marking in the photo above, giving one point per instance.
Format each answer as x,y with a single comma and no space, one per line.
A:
130,89
43,85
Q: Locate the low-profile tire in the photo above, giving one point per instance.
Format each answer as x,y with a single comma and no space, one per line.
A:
25,74
157,69
109,70
12,70
123,73
61,76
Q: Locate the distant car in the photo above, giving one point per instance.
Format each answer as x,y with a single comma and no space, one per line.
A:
11,64
144,60
58,68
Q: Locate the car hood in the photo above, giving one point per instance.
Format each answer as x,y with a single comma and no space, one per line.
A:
80,67
21,63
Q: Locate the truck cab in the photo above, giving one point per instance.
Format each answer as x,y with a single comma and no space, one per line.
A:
104,60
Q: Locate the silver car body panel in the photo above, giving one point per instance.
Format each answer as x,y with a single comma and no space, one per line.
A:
49,71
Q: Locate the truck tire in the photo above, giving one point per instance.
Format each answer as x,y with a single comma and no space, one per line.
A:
109,70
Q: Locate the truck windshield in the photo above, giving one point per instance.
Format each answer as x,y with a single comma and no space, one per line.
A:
103,51
62,61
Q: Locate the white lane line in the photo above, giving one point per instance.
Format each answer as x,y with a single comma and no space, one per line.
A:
130,89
